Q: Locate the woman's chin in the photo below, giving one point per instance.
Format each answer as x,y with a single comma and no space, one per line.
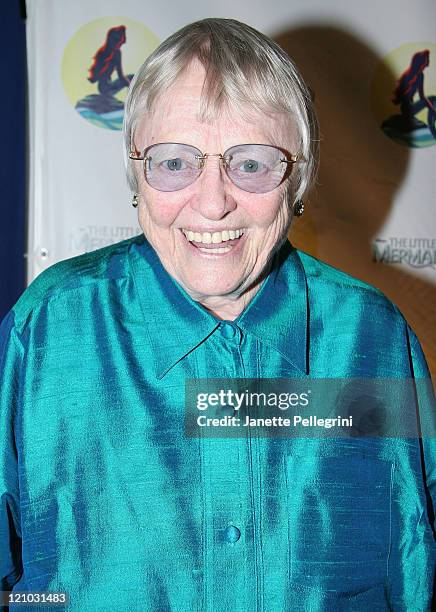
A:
211,287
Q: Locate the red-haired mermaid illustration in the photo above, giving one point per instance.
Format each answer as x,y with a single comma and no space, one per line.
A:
103,108
410,83
106,60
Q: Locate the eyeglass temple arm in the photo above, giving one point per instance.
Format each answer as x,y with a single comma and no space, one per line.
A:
135,154
293,160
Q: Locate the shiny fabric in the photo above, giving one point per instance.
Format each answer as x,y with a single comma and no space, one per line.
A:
105,497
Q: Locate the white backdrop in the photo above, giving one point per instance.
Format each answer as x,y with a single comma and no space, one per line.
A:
373,212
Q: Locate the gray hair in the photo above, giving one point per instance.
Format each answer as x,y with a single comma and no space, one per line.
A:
244,68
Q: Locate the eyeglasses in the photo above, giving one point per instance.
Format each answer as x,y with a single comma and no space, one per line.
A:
257,168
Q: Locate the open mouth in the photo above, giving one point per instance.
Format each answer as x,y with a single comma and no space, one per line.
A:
217,243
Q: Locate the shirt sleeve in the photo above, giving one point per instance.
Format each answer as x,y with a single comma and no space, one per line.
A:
427,419
10,523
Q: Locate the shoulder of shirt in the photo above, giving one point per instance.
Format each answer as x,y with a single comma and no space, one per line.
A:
77,272
343,283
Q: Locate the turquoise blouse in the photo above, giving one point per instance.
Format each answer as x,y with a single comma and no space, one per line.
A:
104,496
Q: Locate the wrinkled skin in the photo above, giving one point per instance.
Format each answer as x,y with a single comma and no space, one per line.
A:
224,283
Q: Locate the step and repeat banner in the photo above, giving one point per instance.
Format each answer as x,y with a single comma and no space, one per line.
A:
372,68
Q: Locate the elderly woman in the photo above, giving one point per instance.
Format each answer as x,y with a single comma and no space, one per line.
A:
105,499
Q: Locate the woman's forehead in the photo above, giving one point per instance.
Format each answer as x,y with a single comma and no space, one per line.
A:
177,118
177,115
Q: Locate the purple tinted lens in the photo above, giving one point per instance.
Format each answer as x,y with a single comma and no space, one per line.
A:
171,166
255,168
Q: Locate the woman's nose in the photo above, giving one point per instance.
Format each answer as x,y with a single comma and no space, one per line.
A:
212,198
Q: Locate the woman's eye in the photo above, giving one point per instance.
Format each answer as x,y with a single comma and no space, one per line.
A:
174,164
249,165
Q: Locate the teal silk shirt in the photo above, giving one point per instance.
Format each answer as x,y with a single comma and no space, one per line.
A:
103,495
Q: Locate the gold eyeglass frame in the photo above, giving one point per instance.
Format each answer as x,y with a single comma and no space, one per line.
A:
293,158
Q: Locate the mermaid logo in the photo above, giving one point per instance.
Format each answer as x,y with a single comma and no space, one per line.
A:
94,75
408,116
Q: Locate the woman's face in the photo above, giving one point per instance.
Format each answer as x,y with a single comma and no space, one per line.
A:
212,203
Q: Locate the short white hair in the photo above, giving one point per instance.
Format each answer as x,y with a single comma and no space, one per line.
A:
244,68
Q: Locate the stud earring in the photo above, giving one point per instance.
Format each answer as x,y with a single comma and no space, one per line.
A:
135,200
298,208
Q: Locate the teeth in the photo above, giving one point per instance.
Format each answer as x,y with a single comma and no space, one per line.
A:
215,238
216,250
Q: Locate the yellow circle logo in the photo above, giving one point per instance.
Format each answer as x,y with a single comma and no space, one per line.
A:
404,94
98,64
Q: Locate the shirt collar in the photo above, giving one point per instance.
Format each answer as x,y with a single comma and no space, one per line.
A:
279,312
176,324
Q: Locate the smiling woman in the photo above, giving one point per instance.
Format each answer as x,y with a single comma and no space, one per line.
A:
244,190
106,493
213,198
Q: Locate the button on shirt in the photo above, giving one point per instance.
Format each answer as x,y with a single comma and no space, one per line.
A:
230,331
105,497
